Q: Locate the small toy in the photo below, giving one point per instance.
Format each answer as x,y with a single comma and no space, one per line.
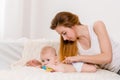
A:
47,69
44,67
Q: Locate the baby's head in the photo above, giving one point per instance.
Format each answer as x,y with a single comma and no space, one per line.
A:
48,55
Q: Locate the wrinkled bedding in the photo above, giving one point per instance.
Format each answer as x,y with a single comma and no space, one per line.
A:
31,73
10,52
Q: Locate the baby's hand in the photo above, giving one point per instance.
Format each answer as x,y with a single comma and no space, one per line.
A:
34,63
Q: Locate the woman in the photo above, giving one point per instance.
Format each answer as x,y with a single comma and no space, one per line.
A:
85,43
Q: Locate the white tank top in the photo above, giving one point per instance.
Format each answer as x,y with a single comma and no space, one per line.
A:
95,49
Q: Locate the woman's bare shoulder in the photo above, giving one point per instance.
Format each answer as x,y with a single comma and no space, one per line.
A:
99,26
98,23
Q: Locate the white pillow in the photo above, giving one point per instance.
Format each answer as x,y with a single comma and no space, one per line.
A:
10,51
32,50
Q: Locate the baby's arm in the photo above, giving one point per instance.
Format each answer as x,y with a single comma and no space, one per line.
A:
34,63
88,68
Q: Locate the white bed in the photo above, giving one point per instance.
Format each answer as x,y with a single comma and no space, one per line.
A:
13,56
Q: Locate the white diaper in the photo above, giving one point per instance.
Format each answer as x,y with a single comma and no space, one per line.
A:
78,66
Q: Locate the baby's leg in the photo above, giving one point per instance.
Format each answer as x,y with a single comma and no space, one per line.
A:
88,68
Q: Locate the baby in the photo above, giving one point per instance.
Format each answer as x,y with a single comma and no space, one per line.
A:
50,62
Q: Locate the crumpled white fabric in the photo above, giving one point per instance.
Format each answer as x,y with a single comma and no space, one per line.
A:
11,51
32,73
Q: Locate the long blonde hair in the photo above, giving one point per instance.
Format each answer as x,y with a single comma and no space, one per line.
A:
66,19
67,48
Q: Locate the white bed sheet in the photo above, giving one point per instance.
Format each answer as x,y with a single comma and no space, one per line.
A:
31,73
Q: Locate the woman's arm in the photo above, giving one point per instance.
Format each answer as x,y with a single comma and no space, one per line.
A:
105,46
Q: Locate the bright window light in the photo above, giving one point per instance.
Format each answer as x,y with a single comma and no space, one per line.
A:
2,13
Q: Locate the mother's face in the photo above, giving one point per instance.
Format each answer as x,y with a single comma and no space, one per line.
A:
66,32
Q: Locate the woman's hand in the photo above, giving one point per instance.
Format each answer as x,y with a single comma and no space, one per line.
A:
34,63
69,60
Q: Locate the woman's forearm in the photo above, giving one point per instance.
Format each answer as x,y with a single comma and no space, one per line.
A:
96,59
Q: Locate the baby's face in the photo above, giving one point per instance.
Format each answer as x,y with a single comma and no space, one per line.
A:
48,58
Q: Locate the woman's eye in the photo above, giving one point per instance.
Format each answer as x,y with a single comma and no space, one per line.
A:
48,59
64,33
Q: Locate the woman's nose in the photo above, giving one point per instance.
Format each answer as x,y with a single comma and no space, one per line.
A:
64,37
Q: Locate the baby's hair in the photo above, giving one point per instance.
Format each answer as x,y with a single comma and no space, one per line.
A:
48,48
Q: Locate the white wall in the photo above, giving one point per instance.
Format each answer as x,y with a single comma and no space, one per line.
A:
1,18
87,10
13,18
31,18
